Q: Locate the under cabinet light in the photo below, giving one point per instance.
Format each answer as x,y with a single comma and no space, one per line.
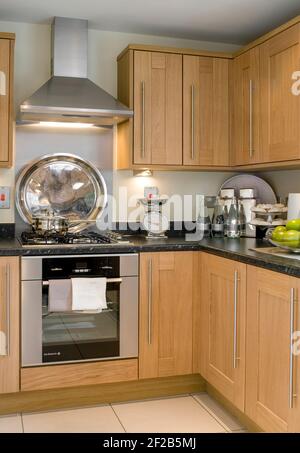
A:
142,173
66,125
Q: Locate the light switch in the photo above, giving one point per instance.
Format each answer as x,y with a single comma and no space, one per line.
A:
4,197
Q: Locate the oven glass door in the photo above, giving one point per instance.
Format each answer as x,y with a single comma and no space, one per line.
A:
69,337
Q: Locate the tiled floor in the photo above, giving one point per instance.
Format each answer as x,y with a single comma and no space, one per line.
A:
183,414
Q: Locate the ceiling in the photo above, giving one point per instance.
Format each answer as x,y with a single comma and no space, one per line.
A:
230,21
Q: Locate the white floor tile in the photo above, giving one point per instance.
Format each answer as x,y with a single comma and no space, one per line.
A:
11,424
218,412
174,415
88,420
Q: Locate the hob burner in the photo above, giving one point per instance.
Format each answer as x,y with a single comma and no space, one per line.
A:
32,238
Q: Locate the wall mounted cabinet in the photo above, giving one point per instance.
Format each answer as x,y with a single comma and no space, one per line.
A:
200,110
6,99
245,109
205,111
157,132
266,113
181,109
280,108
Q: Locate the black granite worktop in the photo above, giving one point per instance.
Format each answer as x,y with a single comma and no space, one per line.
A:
236,249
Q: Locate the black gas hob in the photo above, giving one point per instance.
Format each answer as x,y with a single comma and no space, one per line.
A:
32,238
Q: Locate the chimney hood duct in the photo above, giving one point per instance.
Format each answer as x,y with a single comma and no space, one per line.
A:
69,96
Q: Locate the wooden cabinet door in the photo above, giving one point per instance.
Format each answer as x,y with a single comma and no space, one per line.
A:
205,111
5,103
165,326
222,318
246,98
294,419
9,325
268,372
157,108
280,108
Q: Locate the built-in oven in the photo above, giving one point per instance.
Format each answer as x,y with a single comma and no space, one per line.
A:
60,337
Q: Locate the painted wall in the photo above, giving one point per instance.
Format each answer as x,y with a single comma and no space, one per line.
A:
283,181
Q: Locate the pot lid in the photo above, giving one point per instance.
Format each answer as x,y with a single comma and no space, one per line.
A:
63,185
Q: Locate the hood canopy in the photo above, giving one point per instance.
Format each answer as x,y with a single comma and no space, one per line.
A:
69,96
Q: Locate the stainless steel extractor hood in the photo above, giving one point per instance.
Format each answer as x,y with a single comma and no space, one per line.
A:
69,96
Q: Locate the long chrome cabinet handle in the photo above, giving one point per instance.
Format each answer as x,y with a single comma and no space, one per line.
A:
192,122
150,301
7,309
2,83
143,119
251,151
291,371
108,280
236,281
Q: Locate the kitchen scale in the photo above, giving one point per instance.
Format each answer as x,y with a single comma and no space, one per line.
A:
154,221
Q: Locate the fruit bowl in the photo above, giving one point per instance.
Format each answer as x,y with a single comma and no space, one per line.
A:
284,247
281,244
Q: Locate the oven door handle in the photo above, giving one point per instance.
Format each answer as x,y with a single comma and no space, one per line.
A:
108,280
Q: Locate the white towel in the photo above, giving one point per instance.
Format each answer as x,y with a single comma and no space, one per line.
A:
60,295
89,294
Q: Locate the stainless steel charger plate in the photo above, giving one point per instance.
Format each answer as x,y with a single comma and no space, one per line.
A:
64,184
263,191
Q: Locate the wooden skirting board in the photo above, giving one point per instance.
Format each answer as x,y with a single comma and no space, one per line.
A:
245,421
44,400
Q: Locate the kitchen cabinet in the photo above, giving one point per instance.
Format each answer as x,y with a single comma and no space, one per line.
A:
280,108
245,110
166,305
222,326
9,324
198,110
151,83
6,101
272,373
205,111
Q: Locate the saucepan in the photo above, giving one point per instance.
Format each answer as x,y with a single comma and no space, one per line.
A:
55,224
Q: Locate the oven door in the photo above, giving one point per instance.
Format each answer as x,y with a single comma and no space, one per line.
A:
56,337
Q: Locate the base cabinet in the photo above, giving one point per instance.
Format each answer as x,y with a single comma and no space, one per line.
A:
272,372
9,325
222,321
166,304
